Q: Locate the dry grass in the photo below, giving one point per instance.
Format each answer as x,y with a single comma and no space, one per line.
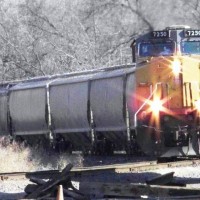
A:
16,157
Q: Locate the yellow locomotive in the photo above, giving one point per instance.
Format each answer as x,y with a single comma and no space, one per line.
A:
167,91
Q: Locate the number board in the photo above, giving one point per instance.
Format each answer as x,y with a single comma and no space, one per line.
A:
192,33
160,34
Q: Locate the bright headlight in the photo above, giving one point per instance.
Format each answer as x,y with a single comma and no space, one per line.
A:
156,105
176,67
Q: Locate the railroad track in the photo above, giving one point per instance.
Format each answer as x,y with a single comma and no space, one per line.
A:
116,168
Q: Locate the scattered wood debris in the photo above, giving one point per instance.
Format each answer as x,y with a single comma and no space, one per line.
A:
161,180
60,185
119,190
44,189
165,179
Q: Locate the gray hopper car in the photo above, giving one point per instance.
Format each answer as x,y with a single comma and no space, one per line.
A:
89,112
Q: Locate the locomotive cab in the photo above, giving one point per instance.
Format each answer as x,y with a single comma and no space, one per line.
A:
167,97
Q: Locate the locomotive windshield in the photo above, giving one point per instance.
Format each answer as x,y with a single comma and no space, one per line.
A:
190,47
156,49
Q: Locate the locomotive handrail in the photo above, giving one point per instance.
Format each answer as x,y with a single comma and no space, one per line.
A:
196,88
152,127
145,102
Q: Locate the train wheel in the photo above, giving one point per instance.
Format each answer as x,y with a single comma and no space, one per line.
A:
132,148
86,152
128,150
94,149
195,142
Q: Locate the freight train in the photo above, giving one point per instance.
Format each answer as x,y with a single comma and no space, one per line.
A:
150,107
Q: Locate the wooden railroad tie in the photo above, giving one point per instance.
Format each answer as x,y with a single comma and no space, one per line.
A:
132,190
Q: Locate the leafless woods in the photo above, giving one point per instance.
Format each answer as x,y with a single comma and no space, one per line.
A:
44,37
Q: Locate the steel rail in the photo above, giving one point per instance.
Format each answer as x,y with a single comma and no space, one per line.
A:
117,168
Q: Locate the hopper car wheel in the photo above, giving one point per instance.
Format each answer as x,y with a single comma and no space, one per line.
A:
20,141
94,150
132,147
86,151
61,145
104,147
129,149
195,140
68,147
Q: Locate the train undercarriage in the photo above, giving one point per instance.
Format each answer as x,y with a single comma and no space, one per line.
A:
171,140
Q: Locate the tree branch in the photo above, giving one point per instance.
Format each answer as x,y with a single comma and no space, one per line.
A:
24,58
